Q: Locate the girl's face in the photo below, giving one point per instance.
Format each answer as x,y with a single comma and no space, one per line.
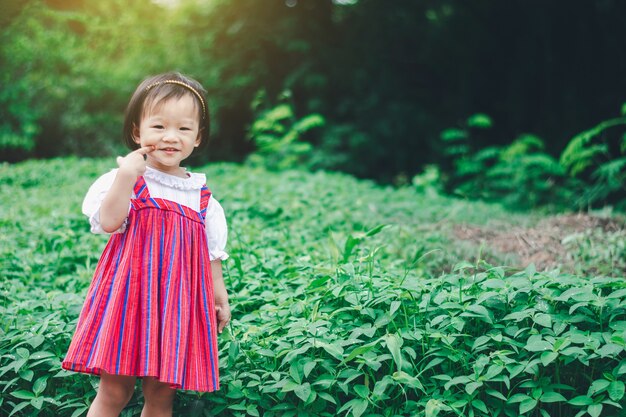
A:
173,128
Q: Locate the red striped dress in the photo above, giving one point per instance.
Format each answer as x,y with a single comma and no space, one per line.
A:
149,309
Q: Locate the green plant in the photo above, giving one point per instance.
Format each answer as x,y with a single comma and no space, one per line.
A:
598,156
346,296
277,134
520,175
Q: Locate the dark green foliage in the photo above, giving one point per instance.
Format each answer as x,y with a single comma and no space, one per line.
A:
277,134
521,175
340,305
598,156
474,342
386,76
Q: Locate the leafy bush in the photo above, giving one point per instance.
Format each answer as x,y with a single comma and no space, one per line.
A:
357,340
277,134
598,156
331,310
520,175
34,335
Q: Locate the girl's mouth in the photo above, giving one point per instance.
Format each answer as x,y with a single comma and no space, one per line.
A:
169,150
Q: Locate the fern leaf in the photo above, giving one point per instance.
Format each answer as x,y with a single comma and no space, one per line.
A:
576,156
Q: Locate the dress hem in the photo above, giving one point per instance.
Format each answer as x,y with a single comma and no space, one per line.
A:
96,370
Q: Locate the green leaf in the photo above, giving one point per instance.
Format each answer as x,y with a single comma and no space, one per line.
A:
303,391
476,310
335,349
493,371
27,374
375,230
548,357
527,405
35,341
616,390
42,354
356,405
359,407
406,379
359,351
535,344
543,319
609,350
23,394
496,394
79,411
617,294
432,408
394,342
394,307
594,410
472,386
308,367
517,398
251,410
18,407
479,120
478,404
581,400
326,396
552,397
40,385
362,391
463,265
598,386
514,369
455,381
288,386
381,386
295,370
22,353
453,135
37,402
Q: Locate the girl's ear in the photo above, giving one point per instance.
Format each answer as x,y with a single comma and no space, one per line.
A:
136,133
198,138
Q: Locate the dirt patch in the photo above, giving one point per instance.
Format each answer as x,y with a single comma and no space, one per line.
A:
542,244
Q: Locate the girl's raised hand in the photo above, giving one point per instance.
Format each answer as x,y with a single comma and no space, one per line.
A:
135,162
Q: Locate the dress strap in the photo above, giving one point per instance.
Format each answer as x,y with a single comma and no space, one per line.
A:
141,189
205,195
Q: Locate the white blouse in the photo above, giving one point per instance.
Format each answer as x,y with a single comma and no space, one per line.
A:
185,191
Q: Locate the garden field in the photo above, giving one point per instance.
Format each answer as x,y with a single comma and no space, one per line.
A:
348,299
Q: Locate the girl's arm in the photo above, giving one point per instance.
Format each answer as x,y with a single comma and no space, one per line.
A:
222,308
114,207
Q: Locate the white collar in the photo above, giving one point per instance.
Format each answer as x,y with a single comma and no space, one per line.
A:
192,182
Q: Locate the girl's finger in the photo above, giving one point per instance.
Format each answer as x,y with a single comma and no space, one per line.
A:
145,150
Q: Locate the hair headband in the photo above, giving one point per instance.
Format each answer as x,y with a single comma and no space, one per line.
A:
187,86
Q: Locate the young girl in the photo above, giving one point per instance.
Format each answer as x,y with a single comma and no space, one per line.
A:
157,299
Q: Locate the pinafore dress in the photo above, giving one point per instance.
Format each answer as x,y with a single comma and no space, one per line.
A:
149,309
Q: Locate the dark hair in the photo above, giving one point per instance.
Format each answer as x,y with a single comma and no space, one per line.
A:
154,90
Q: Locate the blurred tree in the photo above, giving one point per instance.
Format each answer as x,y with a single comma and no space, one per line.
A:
386,76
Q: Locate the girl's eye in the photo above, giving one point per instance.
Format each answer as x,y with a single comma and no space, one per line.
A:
184,128
158,126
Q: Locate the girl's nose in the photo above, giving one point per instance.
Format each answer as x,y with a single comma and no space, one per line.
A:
170,135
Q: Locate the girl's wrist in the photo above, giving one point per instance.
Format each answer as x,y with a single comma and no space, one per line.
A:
127,174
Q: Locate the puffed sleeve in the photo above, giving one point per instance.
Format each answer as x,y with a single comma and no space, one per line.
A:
93,201
216,230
